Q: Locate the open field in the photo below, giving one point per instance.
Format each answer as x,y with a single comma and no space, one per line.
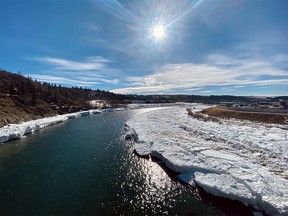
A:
265,117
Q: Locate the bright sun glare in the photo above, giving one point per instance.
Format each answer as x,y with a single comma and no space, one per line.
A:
159,32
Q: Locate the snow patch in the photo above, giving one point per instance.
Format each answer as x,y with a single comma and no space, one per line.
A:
221,155
17,131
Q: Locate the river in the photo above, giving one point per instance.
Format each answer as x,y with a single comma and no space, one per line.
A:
84,167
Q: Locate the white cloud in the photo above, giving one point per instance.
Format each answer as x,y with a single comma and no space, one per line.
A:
218,70
73,81
271,82
61,80
143,90
150,80
92,63
193,89
83,73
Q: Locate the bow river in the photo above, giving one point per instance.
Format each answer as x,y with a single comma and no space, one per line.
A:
85,167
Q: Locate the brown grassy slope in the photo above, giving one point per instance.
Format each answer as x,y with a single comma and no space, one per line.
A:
23,99
19,100
13,112
242,115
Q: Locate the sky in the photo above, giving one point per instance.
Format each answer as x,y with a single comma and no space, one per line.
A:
195,47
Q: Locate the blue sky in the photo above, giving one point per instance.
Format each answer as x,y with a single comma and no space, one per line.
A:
205,47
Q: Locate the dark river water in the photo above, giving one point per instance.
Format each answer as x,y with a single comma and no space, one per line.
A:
84,167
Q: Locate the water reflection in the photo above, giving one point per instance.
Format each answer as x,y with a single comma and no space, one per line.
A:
14,147
153,186
84,168
146,189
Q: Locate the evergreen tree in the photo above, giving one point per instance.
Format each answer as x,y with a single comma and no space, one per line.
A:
55,97
34,98
11,88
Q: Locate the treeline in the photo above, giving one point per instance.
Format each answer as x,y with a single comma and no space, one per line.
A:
211,99
25,92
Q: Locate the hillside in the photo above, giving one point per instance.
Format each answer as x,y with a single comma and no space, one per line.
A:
22,99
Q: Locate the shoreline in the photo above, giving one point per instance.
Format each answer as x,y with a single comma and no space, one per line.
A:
17,131
230,159
204,195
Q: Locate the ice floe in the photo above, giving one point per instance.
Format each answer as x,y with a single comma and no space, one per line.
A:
234,159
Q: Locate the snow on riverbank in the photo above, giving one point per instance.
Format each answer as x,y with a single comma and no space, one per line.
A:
234,159
17,131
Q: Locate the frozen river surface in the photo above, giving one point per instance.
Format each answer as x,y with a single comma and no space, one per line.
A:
228,158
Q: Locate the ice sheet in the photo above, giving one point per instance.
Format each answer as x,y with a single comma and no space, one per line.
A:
235,159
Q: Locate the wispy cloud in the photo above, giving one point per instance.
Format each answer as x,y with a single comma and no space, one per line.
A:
93,27
61,80
92,63
193,89
89,72
217,70
207,91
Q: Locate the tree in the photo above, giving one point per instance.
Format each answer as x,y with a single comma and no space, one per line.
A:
55,97
22,88
34,98
11,87
49,90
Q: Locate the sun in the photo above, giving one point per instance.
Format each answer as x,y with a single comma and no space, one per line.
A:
159,32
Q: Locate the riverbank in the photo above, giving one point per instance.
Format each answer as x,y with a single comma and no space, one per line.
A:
264,117
239,160
12,112
18,131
